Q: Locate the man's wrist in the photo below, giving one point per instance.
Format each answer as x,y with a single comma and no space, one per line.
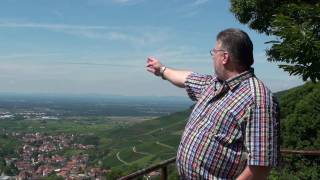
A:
162,70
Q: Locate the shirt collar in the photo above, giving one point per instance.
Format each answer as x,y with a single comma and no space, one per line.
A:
235,81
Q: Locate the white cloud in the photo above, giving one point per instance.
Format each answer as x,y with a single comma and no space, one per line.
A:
128,2
134,35
179,53
191,9
199,2
120,2
28,55
6,24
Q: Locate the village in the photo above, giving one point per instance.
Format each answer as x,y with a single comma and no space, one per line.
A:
39,156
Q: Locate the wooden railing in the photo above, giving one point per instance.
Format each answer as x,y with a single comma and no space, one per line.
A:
163,166
300,152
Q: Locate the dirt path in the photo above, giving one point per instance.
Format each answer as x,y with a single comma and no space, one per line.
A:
165,145
124,162
139,152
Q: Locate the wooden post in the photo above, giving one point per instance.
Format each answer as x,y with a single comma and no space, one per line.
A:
164,173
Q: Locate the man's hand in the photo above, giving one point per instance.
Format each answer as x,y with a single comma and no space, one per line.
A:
176,77
153,66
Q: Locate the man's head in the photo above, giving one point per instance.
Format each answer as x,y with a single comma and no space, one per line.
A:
233,52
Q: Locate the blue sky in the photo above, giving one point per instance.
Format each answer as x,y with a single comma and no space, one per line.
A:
101,46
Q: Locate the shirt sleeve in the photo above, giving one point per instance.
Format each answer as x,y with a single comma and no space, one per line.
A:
196,84
262,135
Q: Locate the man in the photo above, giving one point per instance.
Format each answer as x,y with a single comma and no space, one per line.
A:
233,130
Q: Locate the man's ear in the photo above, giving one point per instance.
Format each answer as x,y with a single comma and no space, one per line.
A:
226,58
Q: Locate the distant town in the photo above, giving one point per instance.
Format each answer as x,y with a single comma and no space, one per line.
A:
27,115
40,157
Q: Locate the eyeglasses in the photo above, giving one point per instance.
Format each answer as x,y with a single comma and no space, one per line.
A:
214,51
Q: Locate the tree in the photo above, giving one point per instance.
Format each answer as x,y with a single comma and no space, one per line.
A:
2,164
10,170
53,176
296,26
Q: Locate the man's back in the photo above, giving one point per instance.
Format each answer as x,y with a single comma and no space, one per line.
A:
232,125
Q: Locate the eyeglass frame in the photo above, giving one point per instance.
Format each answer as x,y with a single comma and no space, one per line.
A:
214,51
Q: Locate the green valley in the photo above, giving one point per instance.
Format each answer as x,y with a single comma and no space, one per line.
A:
121,146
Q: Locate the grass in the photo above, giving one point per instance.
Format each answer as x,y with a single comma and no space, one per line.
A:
129,156
72,152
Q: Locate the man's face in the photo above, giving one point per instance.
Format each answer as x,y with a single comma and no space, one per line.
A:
217,57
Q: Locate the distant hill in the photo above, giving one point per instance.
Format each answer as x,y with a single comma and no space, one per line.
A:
300,117
92,105
300,130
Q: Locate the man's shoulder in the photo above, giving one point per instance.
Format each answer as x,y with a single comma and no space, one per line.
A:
201,76
203,79
260,93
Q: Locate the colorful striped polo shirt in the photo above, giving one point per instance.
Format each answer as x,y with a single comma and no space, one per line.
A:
233,124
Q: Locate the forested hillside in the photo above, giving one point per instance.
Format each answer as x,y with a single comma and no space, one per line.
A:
300,129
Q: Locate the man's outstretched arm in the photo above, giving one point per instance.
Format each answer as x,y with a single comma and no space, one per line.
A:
176,77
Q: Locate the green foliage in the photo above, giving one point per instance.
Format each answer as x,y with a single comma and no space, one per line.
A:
300,129
8,146
71,152
299,45
173,174
154,141
118,172
301,119
296,25
53,176
2,164
257,13
10,170
115,174
87,139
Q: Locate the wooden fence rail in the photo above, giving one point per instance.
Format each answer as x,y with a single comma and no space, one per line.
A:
163,166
